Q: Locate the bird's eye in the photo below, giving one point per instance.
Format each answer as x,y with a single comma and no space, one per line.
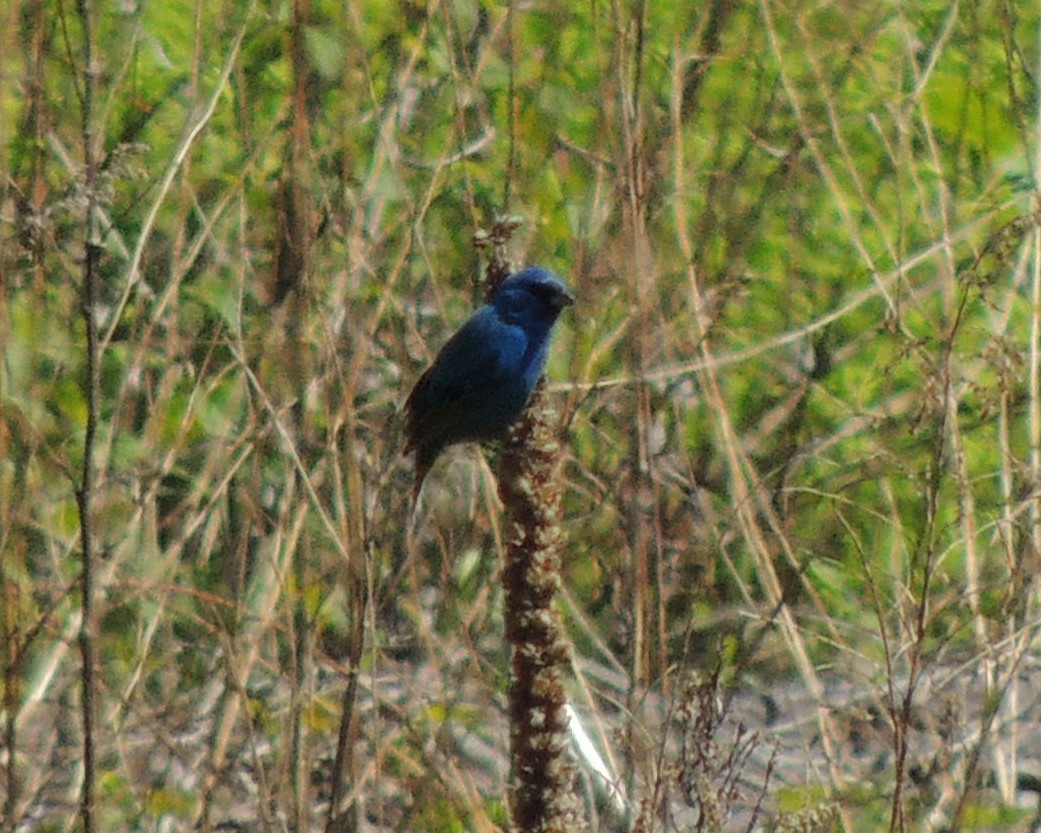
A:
543,292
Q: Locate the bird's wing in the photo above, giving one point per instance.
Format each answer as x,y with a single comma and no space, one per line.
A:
484,353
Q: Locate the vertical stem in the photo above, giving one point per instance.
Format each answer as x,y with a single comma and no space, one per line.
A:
343,764
511,163
1034,384
85,493
12,654
542,790
11,683
291,272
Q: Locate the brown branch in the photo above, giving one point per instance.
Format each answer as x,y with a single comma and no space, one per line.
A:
347,735
292,266
91,383
542,790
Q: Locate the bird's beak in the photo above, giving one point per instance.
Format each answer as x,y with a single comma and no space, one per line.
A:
563,299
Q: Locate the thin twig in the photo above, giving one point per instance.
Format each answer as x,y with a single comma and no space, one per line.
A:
92,390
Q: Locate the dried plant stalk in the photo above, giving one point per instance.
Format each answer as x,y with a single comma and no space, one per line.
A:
543,788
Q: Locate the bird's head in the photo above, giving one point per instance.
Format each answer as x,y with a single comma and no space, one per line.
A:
532,297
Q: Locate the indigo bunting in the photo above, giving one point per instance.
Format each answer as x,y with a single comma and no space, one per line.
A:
481,381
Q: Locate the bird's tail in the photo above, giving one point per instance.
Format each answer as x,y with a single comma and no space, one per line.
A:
424,462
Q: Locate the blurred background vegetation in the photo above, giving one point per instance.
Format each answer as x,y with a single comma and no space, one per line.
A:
799,396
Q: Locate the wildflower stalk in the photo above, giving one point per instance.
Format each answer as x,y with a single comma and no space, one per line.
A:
542,790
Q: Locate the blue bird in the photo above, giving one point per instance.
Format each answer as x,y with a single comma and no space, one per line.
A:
481,381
